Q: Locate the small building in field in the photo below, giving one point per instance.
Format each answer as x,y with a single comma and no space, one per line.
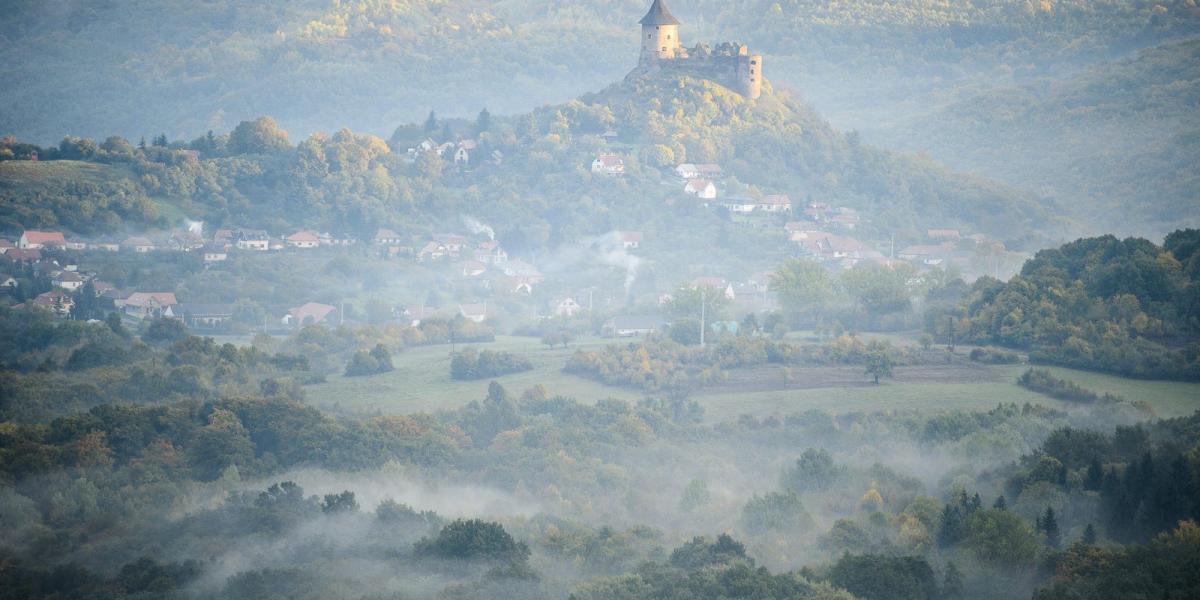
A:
565,307
632,326
476,313
310,313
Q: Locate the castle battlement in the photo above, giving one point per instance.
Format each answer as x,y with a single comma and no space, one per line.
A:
728,63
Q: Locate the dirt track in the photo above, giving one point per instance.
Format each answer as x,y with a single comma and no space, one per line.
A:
774,378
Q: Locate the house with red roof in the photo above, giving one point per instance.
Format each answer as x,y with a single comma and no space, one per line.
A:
700,188
57,300
608,164
303,239
310,313
31,239
147,304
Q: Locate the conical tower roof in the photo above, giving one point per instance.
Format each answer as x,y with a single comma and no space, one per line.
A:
659,15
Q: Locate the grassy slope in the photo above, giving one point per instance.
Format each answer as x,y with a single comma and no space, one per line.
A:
421,383
26,176
21,180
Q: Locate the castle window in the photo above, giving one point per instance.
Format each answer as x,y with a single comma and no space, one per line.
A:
664,49
754,62
668,36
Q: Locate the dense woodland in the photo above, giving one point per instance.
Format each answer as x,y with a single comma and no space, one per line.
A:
1125,306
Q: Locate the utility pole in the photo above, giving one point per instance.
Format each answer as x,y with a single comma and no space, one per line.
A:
703,302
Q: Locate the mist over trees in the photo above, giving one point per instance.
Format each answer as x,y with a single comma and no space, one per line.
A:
415,299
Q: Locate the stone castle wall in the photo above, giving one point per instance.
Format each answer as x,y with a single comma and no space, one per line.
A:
729,64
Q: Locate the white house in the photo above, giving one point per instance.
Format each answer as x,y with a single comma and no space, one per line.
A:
630,240
140,245
687,171
608,164
565,307
490,252
701,188
214,253
473,312
775,203
67,280
39,239
740,205
253,239
303,239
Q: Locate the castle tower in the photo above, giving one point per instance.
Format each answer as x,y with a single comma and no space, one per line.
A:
749,74
660,34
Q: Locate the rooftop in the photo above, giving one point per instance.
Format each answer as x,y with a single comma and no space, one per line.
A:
659,15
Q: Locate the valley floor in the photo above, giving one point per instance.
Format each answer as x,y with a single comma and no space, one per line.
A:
421,383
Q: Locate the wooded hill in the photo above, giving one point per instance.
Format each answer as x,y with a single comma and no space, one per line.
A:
543,193
1124,306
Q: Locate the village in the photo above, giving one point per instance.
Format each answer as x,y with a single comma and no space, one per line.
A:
43,267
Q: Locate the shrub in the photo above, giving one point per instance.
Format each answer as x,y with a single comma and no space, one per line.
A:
994,356
1042,382
471,364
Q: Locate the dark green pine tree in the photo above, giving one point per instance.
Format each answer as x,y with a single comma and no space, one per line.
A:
952,583
1000,503
1050,526
1095,476
1089,535
483,122
951,527
431,123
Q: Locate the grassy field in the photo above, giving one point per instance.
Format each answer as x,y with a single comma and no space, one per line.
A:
421,382
23,175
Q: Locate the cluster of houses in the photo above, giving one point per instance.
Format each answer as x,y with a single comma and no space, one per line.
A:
462,152
700,182
944,247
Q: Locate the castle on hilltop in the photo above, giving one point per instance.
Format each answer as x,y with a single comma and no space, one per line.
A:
728,63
